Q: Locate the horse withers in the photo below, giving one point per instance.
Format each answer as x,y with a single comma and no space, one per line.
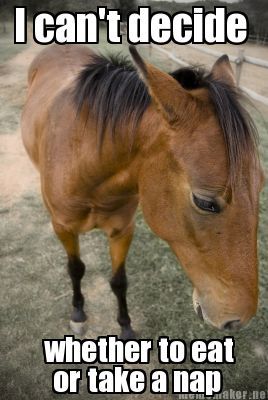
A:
105,136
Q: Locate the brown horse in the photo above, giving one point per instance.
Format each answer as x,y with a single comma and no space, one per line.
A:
106,137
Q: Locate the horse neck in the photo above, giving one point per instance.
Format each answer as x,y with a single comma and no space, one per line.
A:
128,153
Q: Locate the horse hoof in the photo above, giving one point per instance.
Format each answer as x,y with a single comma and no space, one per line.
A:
78,315
127,334
78,328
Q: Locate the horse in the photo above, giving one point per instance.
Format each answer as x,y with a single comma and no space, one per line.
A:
108,133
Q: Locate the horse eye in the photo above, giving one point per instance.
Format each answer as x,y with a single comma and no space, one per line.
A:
206,205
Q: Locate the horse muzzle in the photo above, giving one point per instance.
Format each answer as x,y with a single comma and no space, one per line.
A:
228,322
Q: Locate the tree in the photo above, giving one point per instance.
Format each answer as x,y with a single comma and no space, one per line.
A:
5,14
126,6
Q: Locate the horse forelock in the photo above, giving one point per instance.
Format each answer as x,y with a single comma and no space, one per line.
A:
238,128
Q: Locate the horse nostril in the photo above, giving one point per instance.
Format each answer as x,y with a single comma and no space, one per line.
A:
199,312
232,325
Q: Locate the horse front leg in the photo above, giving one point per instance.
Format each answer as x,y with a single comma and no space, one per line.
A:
119,246
76,270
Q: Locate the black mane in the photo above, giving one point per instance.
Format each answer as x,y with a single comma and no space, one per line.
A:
239,131
113,92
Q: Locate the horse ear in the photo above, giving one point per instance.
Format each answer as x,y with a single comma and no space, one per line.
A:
222,70
165,91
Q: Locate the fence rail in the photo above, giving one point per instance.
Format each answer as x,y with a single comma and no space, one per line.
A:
256,61
258,39
238,60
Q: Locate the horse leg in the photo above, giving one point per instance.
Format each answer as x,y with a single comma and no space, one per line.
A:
76,269
119,246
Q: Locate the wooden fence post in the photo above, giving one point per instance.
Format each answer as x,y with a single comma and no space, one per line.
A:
239,63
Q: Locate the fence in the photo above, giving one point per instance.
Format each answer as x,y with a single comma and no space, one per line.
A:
258,39
238,60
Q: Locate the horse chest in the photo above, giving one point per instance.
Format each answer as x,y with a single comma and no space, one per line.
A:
111,218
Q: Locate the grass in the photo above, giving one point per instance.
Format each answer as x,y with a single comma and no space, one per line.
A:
12,95
35,297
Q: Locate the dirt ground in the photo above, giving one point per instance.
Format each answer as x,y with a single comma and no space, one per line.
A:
35,293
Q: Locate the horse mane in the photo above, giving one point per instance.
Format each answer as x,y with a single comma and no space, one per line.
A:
113,92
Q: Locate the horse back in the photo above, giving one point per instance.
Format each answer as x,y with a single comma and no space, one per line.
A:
51,72
80,189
